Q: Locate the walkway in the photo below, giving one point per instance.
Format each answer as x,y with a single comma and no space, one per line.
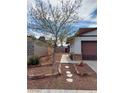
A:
65,59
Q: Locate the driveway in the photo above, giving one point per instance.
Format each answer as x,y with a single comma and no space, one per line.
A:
92,64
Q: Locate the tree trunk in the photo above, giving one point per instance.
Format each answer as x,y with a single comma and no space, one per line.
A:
53,51
53,59
53,55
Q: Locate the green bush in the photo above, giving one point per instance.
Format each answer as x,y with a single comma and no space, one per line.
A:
34,60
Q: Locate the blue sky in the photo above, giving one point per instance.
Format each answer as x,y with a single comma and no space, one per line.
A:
88,13
88,22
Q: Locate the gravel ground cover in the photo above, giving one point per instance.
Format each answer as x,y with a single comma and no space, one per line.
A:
59,82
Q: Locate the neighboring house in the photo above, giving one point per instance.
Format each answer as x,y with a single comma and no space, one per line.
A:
84,44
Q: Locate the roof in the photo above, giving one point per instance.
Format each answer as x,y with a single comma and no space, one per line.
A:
84,30
79,33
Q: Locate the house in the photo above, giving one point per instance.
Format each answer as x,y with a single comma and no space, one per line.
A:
83,45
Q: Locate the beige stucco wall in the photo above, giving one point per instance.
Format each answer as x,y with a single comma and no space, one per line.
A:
33,49
40,51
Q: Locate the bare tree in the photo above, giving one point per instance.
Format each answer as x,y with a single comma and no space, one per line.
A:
65,33
52,19
63,36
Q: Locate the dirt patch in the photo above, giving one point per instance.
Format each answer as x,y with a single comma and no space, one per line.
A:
47,59
59,82
58,57
45,68
39,70
84,70
43,71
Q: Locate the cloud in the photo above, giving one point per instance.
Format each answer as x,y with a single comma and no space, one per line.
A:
84,24
87,7
93,14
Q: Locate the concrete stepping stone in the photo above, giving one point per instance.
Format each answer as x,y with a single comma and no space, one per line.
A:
69,80
69,75
68,72
66,66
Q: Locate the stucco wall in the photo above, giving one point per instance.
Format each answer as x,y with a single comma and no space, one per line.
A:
72,48
33,49
40,51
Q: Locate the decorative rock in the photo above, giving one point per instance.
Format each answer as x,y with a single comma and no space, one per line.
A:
68,72
66,66
69,80
69,75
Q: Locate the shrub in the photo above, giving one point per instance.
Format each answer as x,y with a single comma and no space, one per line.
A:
34,60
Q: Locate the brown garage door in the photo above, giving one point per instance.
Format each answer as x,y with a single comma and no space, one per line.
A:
89,50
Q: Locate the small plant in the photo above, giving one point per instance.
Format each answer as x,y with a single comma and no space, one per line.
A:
81,64
34,60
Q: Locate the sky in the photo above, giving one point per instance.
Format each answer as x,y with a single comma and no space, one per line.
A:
88,12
